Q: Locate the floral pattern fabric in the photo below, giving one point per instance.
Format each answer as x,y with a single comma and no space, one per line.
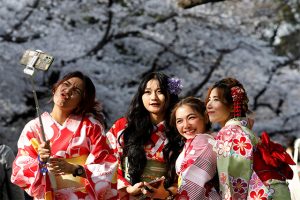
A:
235,144
154,150
78,138
196,166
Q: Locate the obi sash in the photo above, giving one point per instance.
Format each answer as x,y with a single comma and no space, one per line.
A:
153,170
68,180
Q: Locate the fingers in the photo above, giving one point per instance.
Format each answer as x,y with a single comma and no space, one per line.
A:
44,151
135,189
148,189
61,166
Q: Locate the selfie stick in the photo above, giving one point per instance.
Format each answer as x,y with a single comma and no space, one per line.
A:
29,70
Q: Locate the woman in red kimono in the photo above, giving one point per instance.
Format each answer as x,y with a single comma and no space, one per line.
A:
196,165
75,162
146,146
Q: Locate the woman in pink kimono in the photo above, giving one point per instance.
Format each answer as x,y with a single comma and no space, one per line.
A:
196,165
243,160
146,146
75,161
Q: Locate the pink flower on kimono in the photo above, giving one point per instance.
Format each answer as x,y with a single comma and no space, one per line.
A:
255,182
241,145
258,196
223,178
239,185
223,148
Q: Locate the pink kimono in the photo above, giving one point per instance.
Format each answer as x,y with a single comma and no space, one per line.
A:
196,166
79,141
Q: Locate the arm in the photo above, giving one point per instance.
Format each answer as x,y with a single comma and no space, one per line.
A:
198,168
112,136
124,186
26,170
235,150
101,165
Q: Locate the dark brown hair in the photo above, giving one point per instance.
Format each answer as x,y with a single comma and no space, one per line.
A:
224,93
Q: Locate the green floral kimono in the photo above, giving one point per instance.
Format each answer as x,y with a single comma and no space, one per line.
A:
235,144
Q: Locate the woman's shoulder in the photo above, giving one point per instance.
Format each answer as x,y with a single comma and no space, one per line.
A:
120,123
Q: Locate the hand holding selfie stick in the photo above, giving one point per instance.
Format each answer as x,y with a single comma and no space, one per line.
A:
29,70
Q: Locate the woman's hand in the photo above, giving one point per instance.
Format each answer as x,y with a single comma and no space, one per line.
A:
155,193
60,166
135,189
44,151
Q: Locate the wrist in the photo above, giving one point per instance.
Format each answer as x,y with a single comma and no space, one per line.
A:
78,170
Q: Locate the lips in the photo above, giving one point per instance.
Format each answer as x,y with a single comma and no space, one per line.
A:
210,112
190,132
64,96
154,104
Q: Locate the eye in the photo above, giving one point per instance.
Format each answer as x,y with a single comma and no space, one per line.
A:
65,84
77,92
178,121
159,92
147,92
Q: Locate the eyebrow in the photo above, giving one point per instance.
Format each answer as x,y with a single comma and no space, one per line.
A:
191,114
77,88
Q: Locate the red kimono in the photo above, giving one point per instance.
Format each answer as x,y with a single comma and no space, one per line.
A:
80,141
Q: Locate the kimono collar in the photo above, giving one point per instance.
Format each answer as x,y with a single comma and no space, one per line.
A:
241,121
160,129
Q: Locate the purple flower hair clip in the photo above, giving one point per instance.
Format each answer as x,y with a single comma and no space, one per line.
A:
174,85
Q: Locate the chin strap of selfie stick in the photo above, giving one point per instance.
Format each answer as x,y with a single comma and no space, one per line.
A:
29,70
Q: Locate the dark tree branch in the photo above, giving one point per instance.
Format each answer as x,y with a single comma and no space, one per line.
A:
8,36
291,117
106,36
192,3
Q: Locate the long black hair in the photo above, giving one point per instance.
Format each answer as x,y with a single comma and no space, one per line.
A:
139,129
88,103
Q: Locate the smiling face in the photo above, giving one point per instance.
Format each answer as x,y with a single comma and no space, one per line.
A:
189,122
217,111
68,94
154,101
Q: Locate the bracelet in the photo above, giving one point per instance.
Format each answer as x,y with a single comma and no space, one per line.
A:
171,196
43,169
41,162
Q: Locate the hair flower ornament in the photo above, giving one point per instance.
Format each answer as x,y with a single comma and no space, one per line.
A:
174,85
238,95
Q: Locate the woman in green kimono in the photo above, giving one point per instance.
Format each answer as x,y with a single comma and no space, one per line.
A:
239,176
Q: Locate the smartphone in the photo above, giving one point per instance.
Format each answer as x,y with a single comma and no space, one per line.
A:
156,183
43,61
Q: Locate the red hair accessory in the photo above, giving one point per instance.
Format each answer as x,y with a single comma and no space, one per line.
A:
238,95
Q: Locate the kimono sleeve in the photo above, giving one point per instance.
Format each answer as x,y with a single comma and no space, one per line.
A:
26,170
113,135
234,150
101,165
200,168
